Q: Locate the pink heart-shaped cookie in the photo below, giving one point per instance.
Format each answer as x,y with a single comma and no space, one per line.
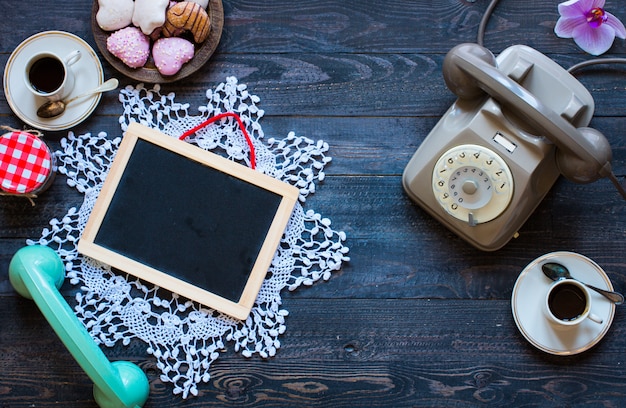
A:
130,45
170,54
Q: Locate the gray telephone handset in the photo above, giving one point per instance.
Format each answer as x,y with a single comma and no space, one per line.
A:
518,123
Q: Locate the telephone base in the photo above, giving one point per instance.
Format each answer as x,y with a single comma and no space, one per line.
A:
452,175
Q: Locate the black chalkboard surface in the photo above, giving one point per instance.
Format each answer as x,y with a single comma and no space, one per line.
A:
188,220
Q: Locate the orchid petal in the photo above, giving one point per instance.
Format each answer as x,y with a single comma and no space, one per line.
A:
575,8
592,28
594,41
565,26
620,30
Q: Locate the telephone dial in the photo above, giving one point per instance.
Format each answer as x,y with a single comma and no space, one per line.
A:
519,122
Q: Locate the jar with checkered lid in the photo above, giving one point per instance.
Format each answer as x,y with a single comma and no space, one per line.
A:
26,164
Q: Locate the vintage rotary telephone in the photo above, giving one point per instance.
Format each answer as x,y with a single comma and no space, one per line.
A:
518,123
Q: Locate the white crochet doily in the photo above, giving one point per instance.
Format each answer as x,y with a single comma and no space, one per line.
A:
184,337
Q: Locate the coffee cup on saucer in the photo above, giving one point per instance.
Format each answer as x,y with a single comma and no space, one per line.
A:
568,303
50,76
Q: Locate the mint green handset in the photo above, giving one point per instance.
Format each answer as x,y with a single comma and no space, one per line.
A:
37,272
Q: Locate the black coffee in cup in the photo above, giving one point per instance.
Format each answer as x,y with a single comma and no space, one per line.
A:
567,302
46,74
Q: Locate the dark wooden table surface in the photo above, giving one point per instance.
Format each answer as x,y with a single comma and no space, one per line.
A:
417,317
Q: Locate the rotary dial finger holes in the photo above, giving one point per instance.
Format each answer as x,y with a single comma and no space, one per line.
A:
472,183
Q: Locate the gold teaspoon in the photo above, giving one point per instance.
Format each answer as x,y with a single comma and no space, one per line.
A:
51,109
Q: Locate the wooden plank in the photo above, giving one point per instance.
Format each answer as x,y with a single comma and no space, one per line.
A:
397,249
389,85
391,353
350,26
358,145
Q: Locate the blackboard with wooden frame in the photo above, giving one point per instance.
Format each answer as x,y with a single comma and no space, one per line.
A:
188,220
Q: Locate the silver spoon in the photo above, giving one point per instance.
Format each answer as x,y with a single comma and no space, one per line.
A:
557,271
51,109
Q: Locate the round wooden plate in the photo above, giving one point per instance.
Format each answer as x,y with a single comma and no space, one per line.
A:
149,73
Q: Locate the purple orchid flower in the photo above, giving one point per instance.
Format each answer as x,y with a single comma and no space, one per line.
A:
592,28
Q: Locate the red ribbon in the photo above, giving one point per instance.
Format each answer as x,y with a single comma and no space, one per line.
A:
221,116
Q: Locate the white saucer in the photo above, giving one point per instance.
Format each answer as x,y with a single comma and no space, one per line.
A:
88,75
527,304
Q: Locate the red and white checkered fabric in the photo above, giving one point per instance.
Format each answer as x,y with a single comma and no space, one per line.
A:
25,163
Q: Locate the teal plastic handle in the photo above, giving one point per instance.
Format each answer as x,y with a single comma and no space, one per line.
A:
37,272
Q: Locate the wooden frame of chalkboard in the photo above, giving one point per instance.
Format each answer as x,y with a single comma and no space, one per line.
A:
188,220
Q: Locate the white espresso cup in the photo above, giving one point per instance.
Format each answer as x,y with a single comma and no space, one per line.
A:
49,76
568,303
